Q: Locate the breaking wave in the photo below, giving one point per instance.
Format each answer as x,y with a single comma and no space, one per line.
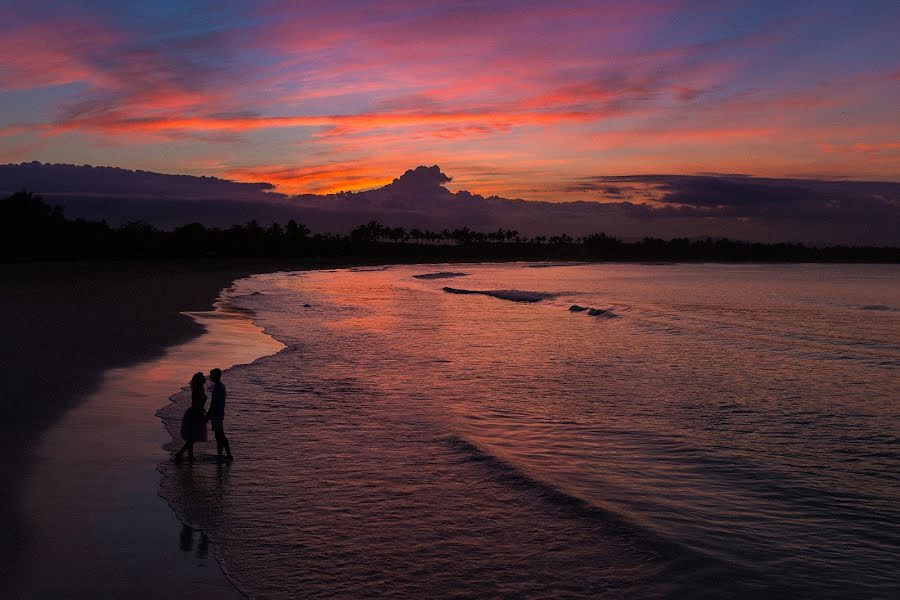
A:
878,307
511,295
548,265
440,275
594,312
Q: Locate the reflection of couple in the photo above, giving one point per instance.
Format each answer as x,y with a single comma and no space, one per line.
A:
193,424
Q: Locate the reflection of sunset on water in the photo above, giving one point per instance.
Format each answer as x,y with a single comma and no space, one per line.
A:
592,423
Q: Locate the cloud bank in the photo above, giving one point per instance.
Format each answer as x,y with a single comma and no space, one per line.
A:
736,206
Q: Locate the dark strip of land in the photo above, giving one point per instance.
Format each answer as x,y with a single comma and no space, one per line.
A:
32,229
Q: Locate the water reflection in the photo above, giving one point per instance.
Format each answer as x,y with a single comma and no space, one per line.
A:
87,486
426,444
204,482
186,541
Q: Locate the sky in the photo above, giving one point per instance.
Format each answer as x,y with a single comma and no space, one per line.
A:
517,98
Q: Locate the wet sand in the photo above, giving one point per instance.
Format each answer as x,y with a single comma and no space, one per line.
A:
91,351
100,528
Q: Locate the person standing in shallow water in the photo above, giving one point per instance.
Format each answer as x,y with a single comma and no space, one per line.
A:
193,423
217,413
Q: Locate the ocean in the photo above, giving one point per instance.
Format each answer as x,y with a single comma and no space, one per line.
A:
528,430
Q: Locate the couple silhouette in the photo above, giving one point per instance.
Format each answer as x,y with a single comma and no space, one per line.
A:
193,423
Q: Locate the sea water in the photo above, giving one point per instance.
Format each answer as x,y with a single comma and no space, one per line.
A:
544,430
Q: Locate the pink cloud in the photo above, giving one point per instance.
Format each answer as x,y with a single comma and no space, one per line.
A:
531,87
54,52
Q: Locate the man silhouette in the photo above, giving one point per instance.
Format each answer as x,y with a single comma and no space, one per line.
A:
217,413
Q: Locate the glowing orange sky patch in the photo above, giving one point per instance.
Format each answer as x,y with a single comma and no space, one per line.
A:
325,179
349,122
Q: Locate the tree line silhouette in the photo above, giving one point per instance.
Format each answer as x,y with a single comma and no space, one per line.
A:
31,229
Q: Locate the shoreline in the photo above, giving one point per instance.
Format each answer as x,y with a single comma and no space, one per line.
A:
111,509
68,327
232,339
67,324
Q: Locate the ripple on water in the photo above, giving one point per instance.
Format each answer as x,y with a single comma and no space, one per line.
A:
412,443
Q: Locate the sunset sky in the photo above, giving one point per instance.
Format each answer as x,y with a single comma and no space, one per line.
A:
518,98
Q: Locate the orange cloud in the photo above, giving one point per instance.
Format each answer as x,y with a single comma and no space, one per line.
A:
320,179
875,153
347,123
875,147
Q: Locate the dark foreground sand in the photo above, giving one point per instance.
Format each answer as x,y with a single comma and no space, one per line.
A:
78,440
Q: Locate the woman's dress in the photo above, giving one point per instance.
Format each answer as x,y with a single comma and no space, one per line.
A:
193,423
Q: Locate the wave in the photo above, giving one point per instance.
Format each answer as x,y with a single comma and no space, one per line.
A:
594,312
878,307
677,555
511,295
230,304
520,479
440,275
238,301
554,264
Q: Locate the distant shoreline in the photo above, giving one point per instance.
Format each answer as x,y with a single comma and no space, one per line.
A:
33,229
279,263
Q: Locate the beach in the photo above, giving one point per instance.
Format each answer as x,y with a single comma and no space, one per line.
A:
91,352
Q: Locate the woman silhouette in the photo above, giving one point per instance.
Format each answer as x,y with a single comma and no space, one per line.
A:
193,423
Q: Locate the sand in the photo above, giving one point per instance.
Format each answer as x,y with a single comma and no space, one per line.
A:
90,351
